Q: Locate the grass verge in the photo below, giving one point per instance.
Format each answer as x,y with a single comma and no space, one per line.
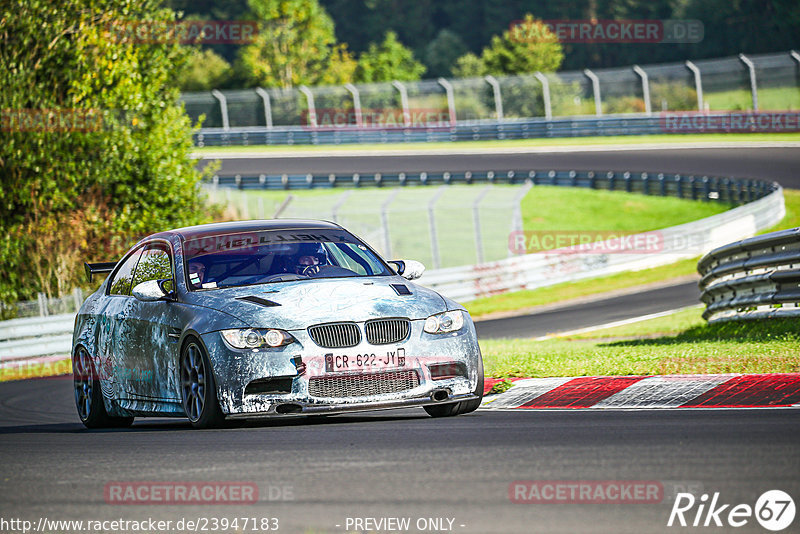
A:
511,143
679,344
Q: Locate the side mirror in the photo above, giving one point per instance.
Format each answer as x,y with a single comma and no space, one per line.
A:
151,291
409,269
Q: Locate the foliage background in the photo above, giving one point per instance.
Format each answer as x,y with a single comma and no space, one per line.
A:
74,196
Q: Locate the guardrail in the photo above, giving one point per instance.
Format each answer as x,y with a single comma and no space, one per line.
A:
753,278
36,336
611,125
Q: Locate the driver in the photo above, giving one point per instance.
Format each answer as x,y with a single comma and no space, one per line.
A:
309,260
197,273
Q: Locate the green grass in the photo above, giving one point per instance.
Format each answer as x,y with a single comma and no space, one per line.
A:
511,143
770,99
520,300
687,345
576,209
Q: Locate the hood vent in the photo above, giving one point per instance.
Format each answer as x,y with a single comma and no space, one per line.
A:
259,301
401,289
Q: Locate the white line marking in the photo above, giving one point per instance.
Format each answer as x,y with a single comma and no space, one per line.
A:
459,150
615,323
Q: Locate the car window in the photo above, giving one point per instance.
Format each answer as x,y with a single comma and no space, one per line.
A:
268,256
155,264
121,283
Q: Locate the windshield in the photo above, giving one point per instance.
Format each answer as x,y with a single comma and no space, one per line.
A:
277,256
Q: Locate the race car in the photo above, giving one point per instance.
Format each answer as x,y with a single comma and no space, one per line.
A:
268,318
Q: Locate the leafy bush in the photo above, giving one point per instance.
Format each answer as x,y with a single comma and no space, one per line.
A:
86,192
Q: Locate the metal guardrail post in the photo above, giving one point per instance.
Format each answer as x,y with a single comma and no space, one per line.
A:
451,100
267,106
223,108
598,103
753,83
476,221
403,101
312,110
387,238
498,97
548,110
645,88
432,225
698,84
356,102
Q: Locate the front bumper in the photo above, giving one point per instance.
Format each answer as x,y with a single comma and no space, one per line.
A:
303,361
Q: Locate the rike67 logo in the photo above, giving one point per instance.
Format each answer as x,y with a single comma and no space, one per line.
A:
774,510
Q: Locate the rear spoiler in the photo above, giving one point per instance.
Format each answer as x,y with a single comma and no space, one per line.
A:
98,268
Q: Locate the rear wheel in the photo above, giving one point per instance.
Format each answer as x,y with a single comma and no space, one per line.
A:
462,407
88,397
198,390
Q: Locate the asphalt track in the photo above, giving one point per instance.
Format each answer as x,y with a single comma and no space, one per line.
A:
591,313
779,164
395,464
314,474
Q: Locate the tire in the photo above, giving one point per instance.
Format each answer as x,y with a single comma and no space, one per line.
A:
462,407
198,389
89,398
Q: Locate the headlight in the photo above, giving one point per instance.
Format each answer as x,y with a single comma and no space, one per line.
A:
442,323
251,338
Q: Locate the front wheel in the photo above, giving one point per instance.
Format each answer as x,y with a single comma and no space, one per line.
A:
462,407
88,397
198,390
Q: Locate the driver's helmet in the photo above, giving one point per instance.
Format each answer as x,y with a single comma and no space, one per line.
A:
309,254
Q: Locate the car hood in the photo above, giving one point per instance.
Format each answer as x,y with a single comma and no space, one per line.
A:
296,305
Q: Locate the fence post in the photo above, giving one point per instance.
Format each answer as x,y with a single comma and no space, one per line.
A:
312,110
43,311
283,206
476,221
498,97
403,102
356,102
451,101
267,106
223,108
77,294
598,103
645,88
698,84
548,111
516,218
387,240
432,225
753,83
335,209
796,57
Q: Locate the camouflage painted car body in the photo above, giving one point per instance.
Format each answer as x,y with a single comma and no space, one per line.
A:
135,345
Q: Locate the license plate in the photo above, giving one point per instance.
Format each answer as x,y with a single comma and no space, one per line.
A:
365,361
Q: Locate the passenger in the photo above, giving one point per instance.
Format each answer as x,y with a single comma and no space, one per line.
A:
197,273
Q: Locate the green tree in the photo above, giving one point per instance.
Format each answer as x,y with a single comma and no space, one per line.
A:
469,66
203,71
387,61
441,53
528,46
295,45
112,161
